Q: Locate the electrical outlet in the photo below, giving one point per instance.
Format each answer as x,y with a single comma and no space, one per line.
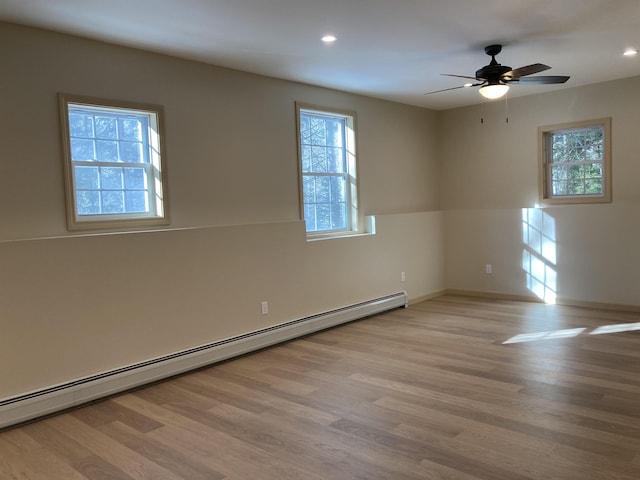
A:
265,308
403,277
488,268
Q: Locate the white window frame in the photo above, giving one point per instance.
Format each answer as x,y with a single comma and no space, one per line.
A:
154,165
545,134
354,218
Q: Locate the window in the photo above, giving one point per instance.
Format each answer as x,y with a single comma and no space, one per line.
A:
326,148
575,162
114,163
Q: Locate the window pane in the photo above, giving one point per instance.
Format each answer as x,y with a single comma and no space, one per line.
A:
135,179
305,130
106,151
88,202
334,132
593,187
306,158
338,189
336,160
559,173
319,159
559,155
323,216
575,187
593,170
131,152
106,127
594,151
113,202
82,150
323,189
318,134
81,125
130,129
136,202
111,178
309,189
310,217
576,171
560,188
87,178
338,216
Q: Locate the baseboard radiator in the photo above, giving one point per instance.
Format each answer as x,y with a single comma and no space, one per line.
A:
53,399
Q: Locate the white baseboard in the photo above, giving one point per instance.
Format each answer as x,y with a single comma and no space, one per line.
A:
53,399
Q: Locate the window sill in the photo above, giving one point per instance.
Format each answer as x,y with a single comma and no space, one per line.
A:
575,200
370,224
341,235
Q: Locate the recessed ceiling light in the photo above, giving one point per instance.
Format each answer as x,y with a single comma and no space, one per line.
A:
329,38
630,52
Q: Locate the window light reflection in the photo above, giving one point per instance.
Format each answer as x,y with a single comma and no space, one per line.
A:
572,332
617,328
532,337
539,253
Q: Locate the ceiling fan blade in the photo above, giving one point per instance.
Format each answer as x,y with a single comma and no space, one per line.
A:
542,80
454,88
527,70
459,76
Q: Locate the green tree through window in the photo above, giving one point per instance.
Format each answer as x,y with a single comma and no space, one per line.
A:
575,162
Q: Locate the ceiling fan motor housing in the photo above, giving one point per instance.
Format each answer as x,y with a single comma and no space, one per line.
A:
493,72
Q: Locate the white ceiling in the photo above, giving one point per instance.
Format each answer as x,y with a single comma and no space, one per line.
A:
390,49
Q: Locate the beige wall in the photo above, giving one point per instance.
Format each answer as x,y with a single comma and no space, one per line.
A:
71,306
489,174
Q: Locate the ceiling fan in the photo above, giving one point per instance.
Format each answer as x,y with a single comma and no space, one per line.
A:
494,79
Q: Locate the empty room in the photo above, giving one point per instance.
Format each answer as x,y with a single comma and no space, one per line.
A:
278,239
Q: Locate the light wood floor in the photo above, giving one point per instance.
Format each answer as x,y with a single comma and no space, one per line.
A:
428,392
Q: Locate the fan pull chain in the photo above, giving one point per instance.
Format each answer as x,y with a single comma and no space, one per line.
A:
506,108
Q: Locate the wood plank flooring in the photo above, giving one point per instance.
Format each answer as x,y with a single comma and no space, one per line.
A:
428,392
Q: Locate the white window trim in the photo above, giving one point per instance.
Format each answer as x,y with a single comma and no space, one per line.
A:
357,224
544,182
156,167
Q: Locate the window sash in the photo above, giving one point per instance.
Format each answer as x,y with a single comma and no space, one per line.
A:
118,136
149,189
330,203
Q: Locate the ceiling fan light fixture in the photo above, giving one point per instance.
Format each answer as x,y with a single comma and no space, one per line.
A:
494,91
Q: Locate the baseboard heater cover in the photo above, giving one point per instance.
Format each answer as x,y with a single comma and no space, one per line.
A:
53,399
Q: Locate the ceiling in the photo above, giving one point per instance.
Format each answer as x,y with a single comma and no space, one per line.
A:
389,49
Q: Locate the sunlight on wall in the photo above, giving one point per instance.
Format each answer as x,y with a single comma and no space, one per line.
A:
539,253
